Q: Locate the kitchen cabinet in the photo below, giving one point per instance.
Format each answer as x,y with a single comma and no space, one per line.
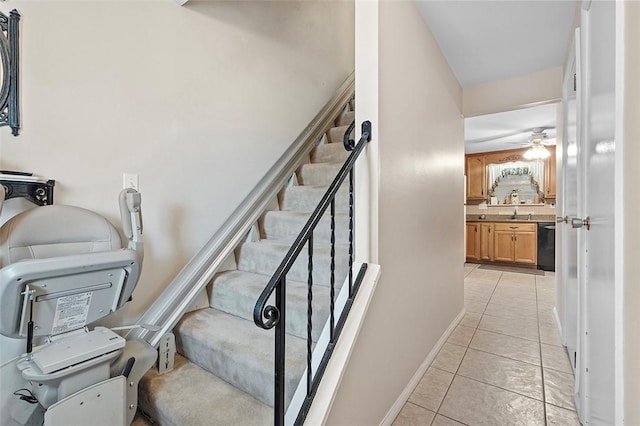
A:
473,241
476,177
550,175
515,243
486,241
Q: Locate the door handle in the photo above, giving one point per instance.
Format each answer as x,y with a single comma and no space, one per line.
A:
576,222
562,219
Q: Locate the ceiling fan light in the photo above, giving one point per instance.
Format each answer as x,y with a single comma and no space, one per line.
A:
537,152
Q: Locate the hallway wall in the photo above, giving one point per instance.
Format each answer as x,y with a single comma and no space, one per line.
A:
420,216
198,100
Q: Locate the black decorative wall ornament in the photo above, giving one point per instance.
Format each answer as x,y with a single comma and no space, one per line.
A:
9,109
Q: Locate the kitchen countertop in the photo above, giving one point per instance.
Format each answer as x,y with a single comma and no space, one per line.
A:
508,218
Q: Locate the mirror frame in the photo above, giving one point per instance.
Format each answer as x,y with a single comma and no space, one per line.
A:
9,58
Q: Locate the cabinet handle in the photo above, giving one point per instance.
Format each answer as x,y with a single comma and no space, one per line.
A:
476,228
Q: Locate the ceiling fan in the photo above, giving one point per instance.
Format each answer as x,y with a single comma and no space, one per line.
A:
538,136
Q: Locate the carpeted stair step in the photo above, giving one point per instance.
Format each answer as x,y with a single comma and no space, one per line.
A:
346,118
239,352
286,225
318,173
306,198
236,293
264,256
336,134
189,395
329,153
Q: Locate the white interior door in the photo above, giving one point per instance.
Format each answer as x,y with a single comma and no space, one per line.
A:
596,329
567,235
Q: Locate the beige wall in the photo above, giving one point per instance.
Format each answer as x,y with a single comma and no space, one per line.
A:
421,155
520,92
198,100
632,206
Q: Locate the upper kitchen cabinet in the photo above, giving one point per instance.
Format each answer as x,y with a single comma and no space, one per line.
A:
491,173
476,177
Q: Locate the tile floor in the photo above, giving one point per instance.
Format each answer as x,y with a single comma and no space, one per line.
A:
503,364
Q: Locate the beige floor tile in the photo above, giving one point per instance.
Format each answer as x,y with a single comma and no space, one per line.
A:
498,310
515,293
414,415
484,284
557,416
550,335
474,306
485,274
513,301
445,421
516,277
520,327
558,388
507,346
471,319
477,296
449,357
475,403
556,358
505,373
461,335
530,285
546,295
431,389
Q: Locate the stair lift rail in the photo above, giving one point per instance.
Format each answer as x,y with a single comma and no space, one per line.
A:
175,300
270,316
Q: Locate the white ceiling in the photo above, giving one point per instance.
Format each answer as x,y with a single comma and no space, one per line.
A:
508,130
487,41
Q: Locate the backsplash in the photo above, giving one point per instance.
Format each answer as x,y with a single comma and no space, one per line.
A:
523,209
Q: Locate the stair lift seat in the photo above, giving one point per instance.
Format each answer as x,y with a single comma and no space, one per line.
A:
61,269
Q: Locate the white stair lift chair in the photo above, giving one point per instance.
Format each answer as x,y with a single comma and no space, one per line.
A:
61,269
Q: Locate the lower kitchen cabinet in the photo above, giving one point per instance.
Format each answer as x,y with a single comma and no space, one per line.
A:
516,243
486,241
473,241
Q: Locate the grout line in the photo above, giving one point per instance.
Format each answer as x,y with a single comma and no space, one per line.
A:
465,351
544,395
501,388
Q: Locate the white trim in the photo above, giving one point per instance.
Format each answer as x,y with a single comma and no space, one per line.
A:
619,228
558,323
408,390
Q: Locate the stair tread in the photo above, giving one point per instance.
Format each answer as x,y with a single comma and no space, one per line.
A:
329,152
189,395
305,198
336,134
236,293
318,173
286,225
238,351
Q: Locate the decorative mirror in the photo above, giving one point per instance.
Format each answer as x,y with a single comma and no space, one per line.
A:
9,109
516,182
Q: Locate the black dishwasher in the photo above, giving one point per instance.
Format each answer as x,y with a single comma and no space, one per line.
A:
547,246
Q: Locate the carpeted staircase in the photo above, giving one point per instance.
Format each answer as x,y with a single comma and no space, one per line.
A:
223,373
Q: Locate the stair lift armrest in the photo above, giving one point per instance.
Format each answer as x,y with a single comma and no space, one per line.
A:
2,195
109,276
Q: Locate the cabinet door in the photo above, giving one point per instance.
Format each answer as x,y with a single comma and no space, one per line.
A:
473,241
503,246
476,177
486,241
550,175
525,247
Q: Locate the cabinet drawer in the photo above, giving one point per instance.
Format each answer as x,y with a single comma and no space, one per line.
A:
516,227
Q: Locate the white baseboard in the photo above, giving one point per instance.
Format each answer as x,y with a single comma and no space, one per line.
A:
408,390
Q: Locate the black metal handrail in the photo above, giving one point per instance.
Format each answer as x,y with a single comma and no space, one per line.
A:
269,316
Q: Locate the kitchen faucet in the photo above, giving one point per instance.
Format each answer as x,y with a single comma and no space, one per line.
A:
515,212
